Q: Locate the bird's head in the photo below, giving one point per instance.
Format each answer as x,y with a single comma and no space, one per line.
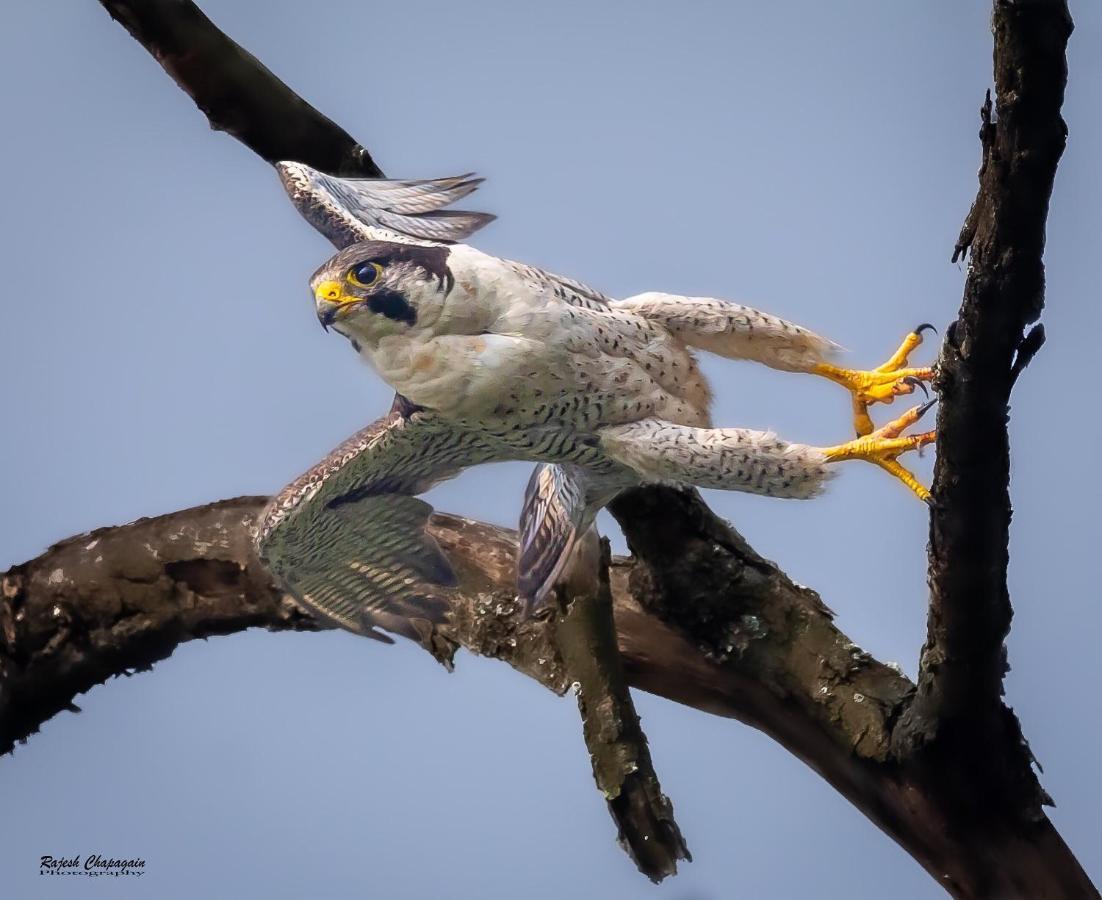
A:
377,288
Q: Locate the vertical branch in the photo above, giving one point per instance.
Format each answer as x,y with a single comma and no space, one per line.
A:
622,767
958,734
963,661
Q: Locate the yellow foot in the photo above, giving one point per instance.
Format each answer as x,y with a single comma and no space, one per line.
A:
884,446
884,383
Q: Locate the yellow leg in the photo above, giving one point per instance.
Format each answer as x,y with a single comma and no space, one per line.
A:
898,360
892,379
884,446
862,421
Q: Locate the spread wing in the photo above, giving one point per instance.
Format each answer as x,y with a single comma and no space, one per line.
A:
347,539
350,210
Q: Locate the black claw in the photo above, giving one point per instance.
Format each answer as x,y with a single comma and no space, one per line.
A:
917,382
933,503
925,408
925,325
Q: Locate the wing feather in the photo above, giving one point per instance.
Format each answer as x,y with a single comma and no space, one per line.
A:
347,539
350,210
426,195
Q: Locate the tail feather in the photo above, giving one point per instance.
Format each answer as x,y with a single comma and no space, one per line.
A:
560,504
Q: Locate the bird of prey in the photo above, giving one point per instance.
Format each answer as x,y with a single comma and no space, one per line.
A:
495,360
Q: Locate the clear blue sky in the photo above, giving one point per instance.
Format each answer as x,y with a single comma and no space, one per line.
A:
160,350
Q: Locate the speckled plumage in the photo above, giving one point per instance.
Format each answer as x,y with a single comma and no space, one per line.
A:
498,360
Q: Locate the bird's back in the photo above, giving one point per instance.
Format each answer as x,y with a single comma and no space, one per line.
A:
559,352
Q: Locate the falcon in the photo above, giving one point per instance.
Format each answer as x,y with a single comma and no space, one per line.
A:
494,360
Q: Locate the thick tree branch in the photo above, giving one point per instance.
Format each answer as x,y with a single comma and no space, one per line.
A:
585,634
964,658
958,724
705,622
760,648
700,617
959,710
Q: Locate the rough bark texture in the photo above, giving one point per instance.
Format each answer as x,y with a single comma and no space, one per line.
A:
700,617
703,621
958,724
964,658
585,633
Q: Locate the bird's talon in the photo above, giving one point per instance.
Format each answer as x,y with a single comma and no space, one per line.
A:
885,445
916,383
895,378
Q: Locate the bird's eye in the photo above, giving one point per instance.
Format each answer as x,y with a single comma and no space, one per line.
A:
365,274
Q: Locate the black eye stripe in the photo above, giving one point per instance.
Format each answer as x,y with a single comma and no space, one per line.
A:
392,305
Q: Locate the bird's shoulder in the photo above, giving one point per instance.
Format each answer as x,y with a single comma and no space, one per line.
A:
483,269
567,315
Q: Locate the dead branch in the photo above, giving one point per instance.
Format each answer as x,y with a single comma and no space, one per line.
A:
585,634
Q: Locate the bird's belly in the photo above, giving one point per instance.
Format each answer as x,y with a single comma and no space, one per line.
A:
513,382
472,376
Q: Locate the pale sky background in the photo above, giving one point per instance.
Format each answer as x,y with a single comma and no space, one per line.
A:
161,350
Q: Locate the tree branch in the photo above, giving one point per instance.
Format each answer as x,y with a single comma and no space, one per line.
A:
964,659
236,91
760,649
585,634
700,617
958,723
705,621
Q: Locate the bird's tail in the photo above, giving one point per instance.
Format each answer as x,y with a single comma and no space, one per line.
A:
560,504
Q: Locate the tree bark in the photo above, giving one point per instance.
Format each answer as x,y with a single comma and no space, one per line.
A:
964,659
585,635
700,617
958,725
705,621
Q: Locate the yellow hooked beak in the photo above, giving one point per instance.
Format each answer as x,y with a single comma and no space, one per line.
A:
331,301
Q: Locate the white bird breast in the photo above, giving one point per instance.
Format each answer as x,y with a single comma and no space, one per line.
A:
500,347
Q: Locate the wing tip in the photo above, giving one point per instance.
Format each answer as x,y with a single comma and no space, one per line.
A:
415,208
